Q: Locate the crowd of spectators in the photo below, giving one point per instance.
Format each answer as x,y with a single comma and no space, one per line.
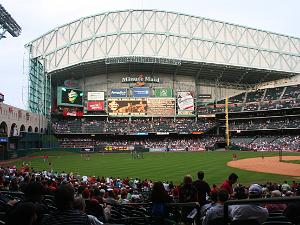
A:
269,143
126,126
30,197
265,124
261,99
155,143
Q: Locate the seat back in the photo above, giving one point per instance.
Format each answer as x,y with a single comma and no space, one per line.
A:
245,222
217,221
277,223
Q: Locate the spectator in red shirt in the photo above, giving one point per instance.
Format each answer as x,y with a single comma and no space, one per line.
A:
214,189
227,185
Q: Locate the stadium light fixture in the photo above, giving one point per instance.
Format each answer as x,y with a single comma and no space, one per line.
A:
8,24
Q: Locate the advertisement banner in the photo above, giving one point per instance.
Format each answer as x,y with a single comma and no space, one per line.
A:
162,133
118,92
95,106
71,83
69,97
72,112
157,149
161,107
204,96
3,139
140,92
137,106
140,133
185,102
118,148
87,150
163,92
185,112
96,96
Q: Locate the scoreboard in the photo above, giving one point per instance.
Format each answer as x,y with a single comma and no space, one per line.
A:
154,107
161,107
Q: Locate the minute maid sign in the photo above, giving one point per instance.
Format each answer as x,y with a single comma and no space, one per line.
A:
140,80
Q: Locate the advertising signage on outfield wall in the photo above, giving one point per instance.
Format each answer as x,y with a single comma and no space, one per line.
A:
95,106
118,148
96,96
163,92
139,92
118,92
125,107
69,96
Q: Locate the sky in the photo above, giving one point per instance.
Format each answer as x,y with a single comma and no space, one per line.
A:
37,17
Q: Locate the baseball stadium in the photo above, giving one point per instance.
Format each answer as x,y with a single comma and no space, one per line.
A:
121,103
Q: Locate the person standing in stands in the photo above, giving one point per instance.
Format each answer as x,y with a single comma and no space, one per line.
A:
203,189
187,191
159,197
227,184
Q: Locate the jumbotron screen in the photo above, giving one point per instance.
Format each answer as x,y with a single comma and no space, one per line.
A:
127,106
69,96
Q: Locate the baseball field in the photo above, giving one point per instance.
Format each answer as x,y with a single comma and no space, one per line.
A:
170,166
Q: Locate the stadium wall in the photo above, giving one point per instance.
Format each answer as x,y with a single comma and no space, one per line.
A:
217,92
106,82
280,83
17,119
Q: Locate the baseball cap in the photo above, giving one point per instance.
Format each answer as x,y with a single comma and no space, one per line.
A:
255,189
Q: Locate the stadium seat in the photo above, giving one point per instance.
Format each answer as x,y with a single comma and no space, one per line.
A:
277,218
277,223
217,221
245,222
277,213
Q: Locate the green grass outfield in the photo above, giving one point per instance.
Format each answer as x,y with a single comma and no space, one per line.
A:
171,166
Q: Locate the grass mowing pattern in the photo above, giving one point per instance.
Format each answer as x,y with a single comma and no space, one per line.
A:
170,166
